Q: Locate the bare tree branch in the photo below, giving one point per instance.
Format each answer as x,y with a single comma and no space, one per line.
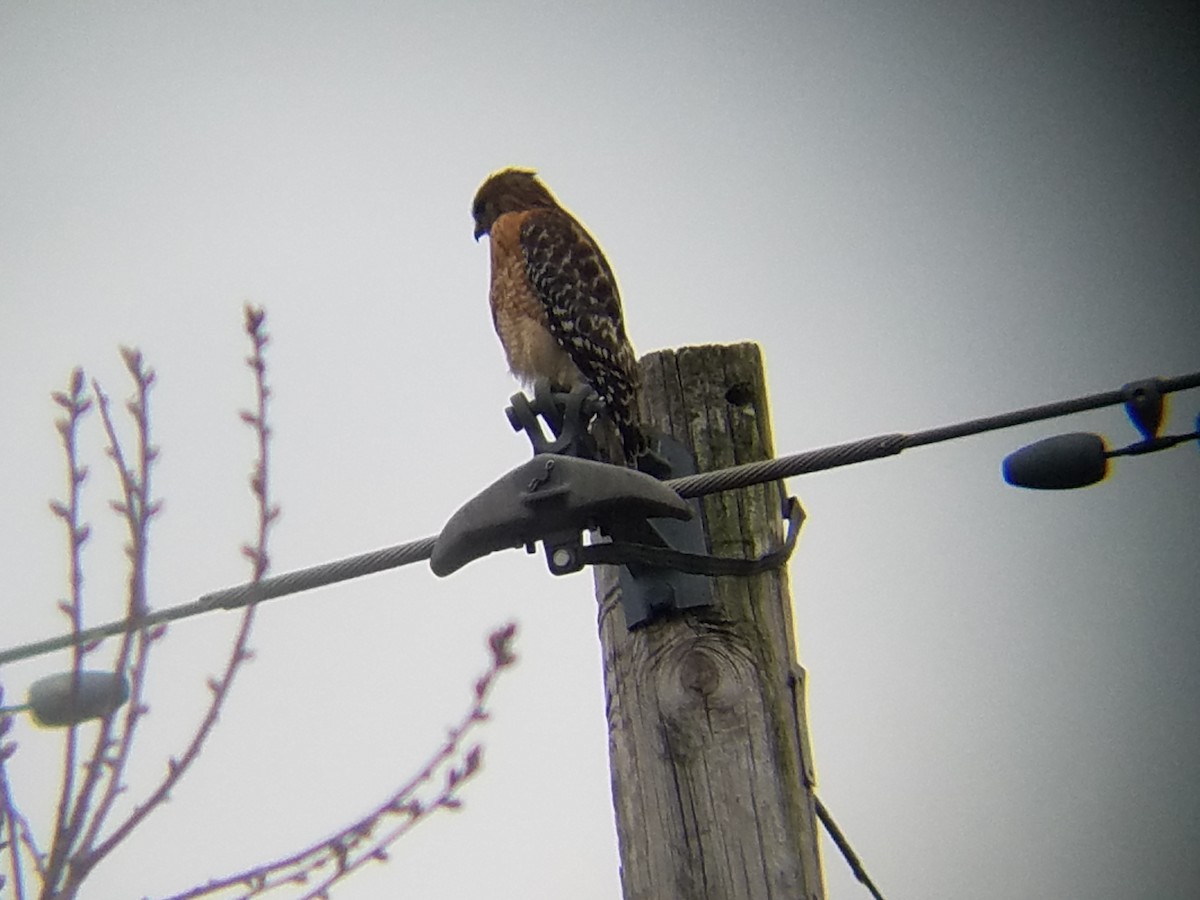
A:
85,802
137,509
267,514
76,406
357,844
14,830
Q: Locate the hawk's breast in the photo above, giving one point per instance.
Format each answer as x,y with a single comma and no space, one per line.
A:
519,314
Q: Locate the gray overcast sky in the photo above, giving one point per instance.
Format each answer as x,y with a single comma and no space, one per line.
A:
924,212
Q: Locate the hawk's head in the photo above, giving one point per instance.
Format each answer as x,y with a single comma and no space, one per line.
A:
509,190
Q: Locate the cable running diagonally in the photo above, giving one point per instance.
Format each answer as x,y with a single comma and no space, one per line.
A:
689,486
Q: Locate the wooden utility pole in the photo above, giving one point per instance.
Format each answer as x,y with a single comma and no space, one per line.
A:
708,740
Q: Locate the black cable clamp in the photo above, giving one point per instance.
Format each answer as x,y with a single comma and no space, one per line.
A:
654,535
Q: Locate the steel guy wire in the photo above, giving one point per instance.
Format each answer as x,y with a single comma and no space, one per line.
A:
687,487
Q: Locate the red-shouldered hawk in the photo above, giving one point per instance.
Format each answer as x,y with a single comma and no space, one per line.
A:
554,299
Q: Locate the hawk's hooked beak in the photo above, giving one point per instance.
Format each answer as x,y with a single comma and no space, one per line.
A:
480,232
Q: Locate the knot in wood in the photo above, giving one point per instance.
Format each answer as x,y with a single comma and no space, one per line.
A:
698,674
706,676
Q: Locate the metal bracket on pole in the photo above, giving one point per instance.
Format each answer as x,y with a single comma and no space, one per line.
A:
567,413
649,592
655,536
552,499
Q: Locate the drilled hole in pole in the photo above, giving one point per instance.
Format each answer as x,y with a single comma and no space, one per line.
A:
740,394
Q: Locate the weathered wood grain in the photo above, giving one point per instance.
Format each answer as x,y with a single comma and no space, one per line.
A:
706,711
